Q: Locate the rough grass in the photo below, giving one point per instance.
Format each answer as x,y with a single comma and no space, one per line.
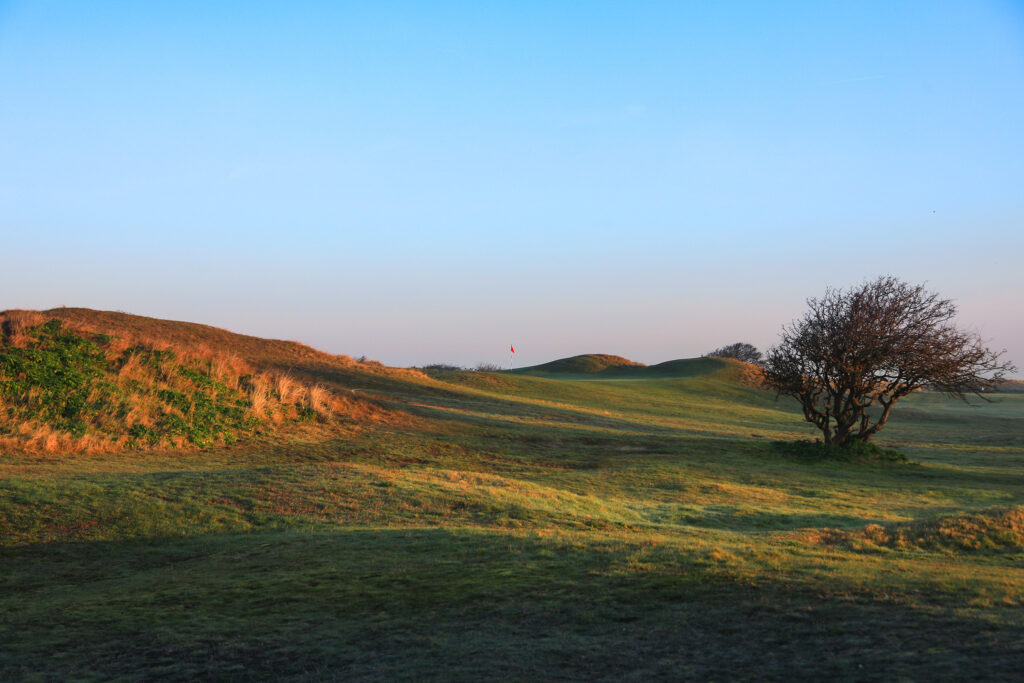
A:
855,451
494,525
66,390
992,530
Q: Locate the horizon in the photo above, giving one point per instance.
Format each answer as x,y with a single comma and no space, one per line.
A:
434,185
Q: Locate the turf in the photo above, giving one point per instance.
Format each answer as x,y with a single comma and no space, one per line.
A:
521,526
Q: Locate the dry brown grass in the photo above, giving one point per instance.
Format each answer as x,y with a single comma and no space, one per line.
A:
15,323
319,400
259,396
260,355
228,368
38,437
992,529
286,388
202,340
750,374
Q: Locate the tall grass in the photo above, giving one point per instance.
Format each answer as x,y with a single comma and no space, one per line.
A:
319,400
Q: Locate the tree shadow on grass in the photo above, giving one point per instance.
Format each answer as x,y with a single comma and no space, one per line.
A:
738,518
379,604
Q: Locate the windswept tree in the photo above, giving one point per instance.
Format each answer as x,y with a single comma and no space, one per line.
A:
856,352
740,351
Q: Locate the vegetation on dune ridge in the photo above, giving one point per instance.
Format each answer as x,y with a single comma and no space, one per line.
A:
64,389
991,530
738,350
603,366
583,364
262,354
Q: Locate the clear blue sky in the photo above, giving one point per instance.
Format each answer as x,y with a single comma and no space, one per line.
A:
427,182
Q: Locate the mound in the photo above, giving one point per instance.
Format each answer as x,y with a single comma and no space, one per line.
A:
994,529
601,366
268,353
691,367
75,386
589,363
1011,386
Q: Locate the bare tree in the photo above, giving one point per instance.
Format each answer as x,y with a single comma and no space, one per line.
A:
855,353
740,351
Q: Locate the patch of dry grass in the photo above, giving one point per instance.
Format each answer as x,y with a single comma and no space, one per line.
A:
994,529
15,325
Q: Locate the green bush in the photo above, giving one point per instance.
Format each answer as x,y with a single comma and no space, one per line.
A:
52,379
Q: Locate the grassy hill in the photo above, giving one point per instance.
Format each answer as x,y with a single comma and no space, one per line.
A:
551,523
1012,386
586,364
78,380
602,366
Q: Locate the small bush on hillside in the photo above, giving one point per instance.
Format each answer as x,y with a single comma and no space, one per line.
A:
859,451
487,367
747,353
441,366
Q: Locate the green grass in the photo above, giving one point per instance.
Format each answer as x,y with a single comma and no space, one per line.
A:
601,366
71,382
58,378
521,526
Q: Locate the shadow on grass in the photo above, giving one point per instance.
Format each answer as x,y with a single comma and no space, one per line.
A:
384,604
857,451
734,518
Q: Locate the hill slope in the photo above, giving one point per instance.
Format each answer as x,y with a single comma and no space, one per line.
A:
75,379
1011,386
603,366
585,364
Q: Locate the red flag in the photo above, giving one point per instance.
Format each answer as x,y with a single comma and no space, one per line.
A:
512,348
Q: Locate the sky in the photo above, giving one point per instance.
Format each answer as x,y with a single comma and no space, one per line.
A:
434,182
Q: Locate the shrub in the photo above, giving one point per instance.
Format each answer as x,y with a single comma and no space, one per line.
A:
487,367
747,353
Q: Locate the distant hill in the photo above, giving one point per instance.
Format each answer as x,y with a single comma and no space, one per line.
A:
1011,386
586,364
605,366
